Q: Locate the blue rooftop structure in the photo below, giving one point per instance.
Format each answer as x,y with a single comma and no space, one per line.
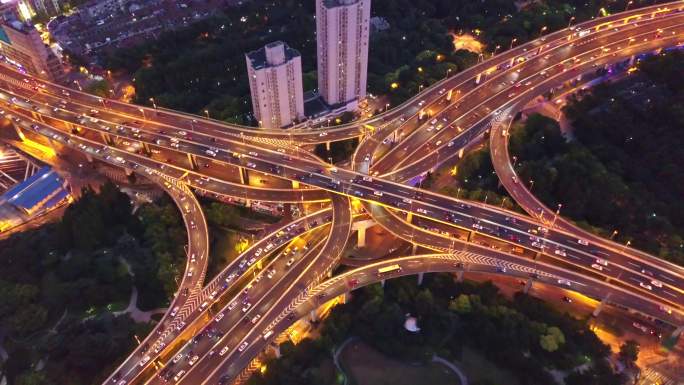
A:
42,191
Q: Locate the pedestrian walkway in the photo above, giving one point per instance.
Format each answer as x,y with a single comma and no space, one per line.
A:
453,367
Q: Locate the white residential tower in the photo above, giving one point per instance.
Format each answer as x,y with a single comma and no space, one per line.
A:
342,31
275,81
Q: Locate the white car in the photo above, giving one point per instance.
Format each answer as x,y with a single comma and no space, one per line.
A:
597,266
246,307
560,252
601,261
223,351
179,375
646,286
656,283
243,346
218,317
256,318
583,242
174,311
177,358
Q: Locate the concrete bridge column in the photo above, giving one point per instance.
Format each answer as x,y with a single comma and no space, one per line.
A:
313,316
327,146
343,298
631,60
415,248
128,171
421,275
382,283
106,138
598,309
193,161
361,237
528,286
244,176
19,132
459,275
276,349
89,157
146,148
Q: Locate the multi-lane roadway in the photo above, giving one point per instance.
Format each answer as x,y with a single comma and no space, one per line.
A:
397,146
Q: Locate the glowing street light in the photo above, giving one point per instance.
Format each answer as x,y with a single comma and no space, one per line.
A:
571,20
153,103
513,42
207,112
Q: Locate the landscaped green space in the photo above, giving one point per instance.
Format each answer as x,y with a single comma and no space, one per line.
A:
462,322
365,366
61,283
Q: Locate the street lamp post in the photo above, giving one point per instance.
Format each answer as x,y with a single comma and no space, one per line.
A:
513,42
531,184
541,32
571,20
142,111
556,216
78,84
387,106
447,72
628,4
207,112
613,234
503,201
154,104
515,159
495,49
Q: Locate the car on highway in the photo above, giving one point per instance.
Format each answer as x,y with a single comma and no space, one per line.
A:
597,266
177,358
290,262
646,286
256,318
246,307
232,305
243,346
174,311
219,317
583,242
560,252
178,375
193,360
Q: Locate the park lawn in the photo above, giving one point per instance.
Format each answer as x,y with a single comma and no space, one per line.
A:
477,368
366,366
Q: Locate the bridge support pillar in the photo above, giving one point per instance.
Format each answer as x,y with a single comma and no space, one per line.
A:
343,298
415,248
244,176
598,309
631,60
193,161
677,332
146,148
19,132
421,275
89,158
313,316
459,275
460,154
361,237
528,286
382,283
128,171
276,349
106,138
327,146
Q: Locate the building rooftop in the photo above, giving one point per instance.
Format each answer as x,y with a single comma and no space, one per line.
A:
31,192
339,3
273,54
